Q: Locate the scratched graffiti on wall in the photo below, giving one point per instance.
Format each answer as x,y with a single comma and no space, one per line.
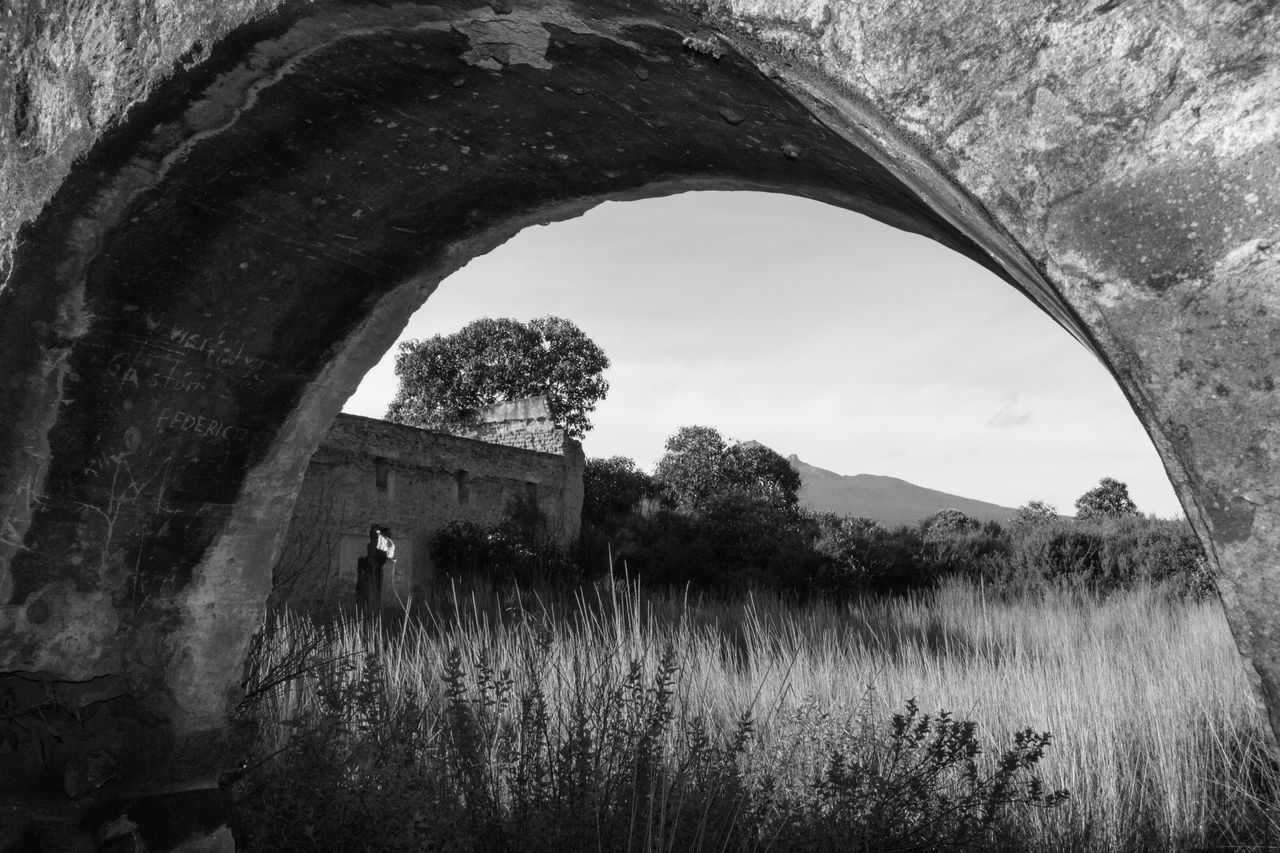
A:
176,394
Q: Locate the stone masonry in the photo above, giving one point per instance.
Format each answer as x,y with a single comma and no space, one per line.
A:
519,423
416,482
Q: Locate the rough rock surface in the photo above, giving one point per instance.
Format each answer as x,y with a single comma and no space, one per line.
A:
190,310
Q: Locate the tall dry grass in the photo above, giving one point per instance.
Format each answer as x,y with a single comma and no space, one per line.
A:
1156,735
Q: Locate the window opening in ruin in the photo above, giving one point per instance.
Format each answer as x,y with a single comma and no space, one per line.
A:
381,473
463,488
531,492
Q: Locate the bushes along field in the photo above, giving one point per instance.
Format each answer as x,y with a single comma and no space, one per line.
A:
625,721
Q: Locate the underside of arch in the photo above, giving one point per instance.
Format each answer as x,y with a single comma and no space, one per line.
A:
192,309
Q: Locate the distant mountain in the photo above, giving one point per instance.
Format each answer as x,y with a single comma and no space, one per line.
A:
885,499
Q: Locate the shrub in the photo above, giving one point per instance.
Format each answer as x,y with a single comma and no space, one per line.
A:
348,774
737,539
1032,513
1152,551
946,522
740,537
612,489
920,788
1104,555
519,549
756,541
863,556
969,551
666,548
555,754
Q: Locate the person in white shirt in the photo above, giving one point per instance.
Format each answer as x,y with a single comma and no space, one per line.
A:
370,569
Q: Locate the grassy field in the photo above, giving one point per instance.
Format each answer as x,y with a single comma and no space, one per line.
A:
479,718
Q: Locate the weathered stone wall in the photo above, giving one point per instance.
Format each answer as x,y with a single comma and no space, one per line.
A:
416,482
69,70
518,423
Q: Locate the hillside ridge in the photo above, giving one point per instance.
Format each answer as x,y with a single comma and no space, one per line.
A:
889,500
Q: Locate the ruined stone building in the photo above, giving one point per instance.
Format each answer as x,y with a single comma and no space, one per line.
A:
415,482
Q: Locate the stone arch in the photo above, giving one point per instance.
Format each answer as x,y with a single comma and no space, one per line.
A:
192,307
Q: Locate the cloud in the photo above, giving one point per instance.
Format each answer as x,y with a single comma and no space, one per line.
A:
1009,415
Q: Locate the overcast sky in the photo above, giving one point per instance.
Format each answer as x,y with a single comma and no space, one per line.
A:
816,331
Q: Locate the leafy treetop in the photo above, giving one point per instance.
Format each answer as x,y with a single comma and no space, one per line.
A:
446,379
1034,513
699,466
1109,499
950,521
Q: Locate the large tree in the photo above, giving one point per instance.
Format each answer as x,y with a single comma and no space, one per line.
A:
1109,499
699,466
446,379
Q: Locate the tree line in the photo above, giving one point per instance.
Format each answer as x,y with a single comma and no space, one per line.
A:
720,514
717,515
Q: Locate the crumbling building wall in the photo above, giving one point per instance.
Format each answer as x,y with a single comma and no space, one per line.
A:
416,482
